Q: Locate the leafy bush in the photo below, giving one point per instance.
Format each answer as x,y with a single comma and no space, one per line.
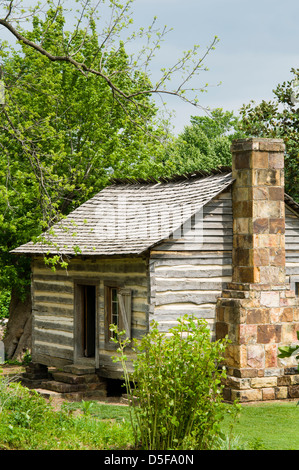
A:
4,303
175,389
288,351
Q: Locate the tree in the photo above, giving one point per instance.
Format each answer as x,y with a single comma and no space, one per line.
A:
62,136
78,110
109,40
278,118
205,143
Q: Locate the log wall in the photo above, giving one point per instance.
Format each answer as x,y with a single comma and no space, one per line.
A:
188,277
53,306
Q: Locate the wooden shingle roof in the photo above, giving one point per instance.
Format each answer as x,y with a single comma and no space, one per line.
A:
130,216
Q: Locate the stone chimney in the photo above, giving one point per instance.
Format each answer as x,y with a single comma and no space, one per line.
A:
257,309
259,214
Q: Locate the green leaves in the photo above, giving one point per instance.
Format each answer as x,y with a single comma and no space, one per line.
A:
288,351
176,387
205,144
278,118
63,135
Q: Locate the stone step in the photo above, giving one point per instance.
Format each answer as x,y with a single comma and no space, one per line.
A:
48,393
63,387
70,378
79,369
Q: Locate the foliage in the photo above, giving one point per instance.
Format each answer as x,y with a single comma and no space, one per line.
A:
29,422
278,118
288,351
111,24
62,136
175,396
205,143
4,303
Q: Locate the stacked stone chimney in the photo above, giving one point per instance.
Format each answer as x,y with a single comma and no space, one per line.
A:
258,311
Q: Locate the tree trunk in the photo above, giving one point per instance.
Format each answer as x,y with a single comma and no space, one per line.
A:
17,339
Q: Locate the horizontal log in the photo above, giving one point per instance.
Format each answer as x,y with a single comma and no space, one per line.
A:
197,299
53,337
57,324
51,287
50,350
180,285
192,273
53,299
204,257
41,309
168,315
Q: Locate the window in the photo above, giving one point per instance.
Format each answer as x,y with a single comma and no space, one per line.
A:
117,310
297,288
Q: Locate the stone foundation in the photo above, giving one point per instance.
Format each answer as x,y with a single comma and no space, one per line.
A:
258,322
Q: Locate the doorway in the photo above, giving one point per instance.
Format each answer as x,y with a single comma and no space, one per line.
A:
87,320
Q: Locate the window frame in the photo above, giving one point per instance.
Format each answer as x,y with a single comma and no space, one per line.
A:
294,282
124,311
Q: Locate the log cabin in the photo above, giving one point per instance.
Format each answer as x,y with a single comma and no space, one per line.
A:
201,244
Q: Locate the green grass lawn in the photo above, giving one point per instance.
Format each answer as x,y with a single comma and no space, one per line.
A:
268,426
28,422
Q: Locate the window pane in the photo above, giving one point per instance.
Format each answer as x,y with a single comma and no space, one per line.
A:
114,307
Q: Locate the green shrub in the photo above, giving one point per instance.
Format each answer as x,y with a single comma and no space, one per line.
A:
4,303
175,391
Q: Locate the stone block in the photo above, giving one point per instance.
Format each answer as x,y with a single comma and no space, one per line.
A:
270,299
284,381
276,193
277,225
259,160
272,145
261,225
293,391
242,194
268,394
248,334
259,193
242,208
241,225
266,209
271,355
263,382
268,334
238,383
276,160
289,333
261,257
221,329
258,316
247,395
281,393
255,356
294,379
266,177
277,256
286,314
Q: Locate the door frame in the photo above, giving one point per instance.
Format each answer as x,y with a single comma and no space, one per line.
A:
78,352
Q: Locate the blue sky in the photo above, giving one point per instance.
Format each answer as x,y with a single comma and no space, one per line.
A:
257,49
259,44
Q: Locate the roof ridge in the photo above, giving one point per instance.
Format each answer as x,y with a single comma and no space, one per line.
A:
170,179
